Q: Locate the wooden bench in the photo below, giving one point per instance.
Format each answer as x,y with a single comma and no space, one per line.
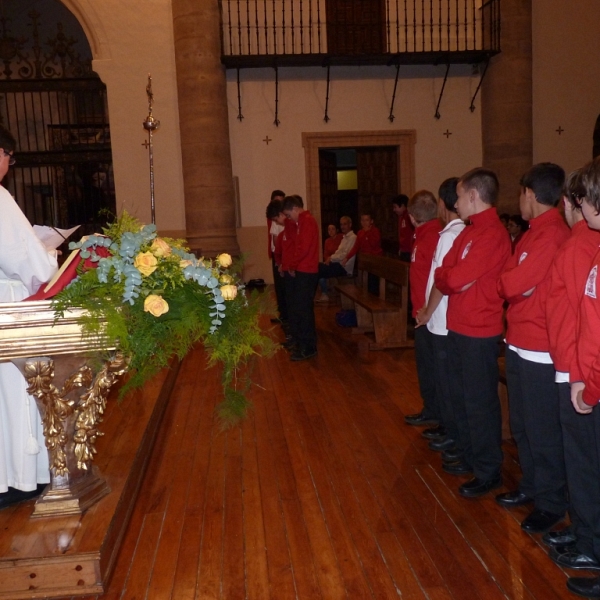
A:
386,318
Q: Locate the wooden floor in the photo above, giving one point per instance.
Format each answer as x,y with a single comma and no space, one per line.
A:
323,492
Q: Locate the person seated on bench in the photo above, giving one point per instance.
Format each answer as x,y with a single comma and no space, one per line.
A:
332,267
332,243
368,241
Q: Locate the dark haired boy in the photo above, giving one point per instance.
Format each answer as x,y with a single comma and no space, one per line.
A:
433,315
406,229
468,276
530,373
422,209
301,280
573,546
276,220
585,391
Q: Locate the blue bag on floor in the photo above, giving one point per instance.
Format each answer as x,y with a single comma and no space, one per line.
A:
346,318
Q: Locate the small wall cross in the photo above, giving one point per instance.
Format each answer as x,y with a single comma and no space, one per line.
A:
447,133
559,130
267,140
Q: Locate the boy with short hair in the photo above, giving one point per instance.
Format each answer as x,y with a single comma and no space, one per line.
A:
405,227
573,546
422,210
433,316
276,220
533,394
468,276
302,268
585,391
368,241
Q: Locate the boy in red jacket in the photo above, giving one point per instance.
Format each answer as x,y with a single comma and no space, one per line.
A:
302,268
585,393
368,241
569,273
422,209
530,373
468,276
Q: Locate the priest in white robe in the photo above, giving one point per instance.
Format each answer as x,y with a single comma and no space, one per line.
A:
25,264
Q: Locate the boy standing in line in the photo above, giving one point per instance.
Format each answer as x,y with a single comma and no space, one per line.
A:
276,219
585,393
406,229
433,315
530,373
422,209
469,276
573,546
302,276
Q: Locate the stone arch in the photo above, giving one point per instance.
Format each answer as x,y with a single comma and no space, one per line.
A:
84,12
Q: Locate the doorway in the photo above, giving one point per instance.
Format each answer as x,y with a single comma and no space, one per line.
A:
384,167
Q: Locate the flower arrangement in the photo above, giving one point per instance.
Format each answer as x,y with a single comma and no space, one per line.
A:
153,299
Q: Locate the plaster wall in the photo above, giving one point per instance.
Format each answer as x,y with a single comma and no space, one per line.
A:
566,80
128,41
359,100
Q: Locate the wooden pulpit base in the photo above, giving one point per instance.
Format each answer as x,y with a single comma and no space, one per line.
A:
56,557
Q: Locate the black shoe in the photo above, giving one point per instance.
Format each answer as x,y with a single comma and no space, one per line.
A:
572,559
419,419
14,496
441,445
457,468
540,521
478,487
452,455
512,499
434,433
588,587
564,537
298,354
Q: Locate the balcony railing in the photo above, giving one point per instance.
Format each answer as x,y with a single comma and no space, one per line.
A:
302,32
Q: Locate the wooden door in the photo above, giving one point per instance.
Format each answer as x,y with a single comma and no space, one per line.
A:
377,174
329,190
355,27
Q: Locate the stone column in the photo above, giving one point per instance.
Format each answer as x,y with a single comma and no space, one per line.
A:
201,87
506,103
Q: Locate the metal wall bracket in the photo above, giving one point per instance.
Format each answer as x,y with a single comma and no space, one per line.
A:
326,117
487,64
437,108
276,121
239,92
391,117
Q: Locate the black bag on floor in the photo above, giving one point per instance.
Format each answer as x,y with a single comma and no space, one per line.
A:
346,318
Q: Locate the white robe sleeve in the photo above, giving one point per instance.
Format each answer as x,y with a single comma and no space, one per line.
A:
23,257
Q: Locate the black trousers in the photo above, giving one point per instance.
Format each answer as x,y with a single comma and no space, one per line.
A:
300,293
536,429
442,384
582,469
279,282
425,359
474,391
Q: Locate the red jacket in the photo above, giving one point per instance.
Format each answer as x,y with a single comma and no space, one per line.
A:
331,245
269,221
588,349
569,272
427,236
306,246
285,245
530,267
406,232
367,242
478,255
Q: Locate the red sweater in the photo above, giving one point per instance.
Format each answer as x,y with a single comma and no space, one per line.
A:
269,221
530,267
427,236
406,232
569,272
331,245
306,246
588,349
367,242
478,255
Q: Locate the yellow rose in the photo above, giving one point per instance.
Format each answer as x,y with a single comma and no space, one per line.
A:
224,260
160,248
145,263
229,292
155,305
226,279
184,263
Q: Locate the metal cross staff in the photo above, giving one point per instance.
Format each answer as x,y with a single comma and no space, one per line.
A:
150,125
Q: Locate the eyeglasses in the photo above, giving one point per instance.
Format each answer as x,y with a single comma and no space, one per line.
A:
11,159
